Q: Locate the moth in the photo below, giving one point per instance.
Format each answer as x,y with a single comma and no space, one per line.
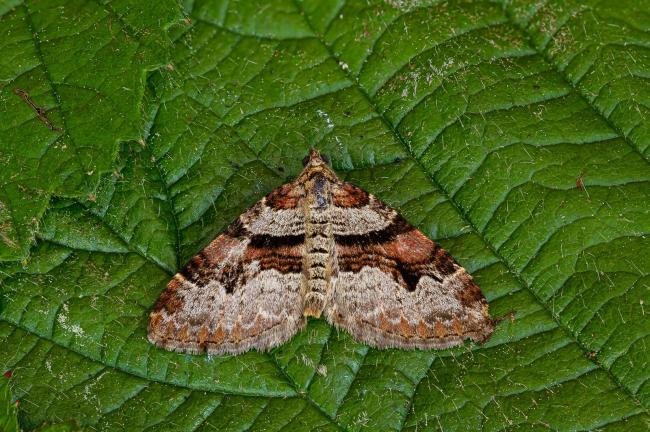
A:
319,247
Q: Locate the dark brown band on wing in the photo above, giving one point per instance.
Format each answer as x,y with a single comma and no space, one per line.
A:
398,226
284,260
201,268
231,276
198,270
237,229
283,264
283,253
407,257
406,274
272,242
412,274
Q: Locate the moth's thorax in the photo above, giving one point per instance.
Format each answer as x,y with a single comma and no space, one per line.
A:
318,261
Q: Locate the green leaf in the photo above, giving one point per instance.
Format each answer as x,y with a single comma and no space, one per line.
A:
85,65
514,133
8,410
601,50
69,426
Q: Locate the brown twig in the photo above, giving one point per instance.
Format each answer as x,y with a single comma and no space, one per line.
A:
41,113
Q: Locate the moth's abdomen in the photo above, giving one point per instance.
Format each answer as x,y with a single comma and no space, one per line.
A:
318,263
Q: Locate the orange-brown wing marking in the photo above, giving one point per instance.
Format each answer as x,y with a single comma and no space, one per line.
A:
397,288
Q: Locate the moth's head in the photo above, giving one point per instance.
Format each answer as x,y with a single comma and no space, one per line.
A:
315,163
314,158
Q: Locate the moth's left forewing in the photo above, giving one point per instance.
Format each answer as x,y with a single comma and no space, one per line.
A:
244,290
394,286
